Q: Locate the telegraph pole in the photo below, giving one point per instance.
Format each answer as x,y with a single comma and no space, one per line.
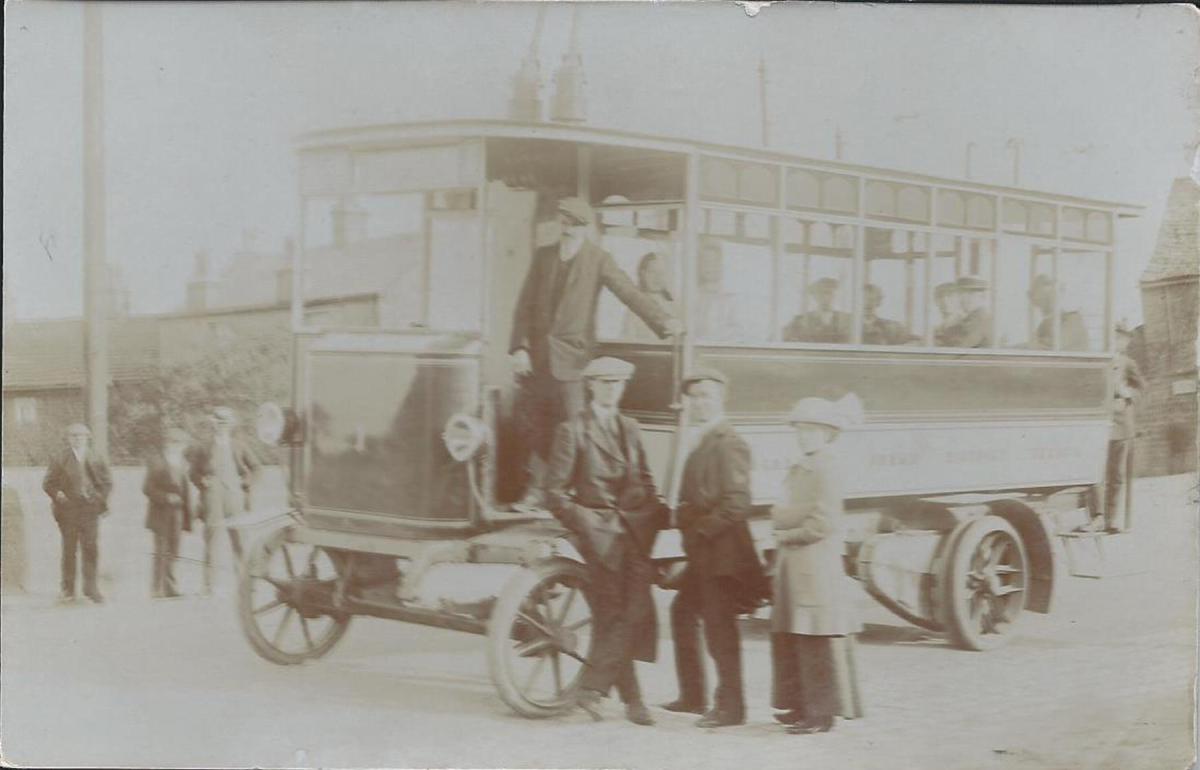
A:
94,232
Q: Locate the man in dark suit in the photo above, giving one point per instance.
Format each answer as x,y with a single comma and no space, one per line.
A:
78,483
822,324
724,576
168,509
224,470
974,328
599,487
554,329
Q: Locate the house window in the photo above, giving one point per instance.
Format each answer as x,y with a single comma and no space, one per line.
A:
26,410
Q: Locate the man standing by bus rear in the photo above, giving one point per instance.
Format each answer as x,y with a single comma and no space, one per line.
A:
554,330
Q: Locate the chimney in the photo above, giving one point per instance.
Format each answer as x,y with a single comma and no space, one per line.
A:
200,286
526,101
570,103
283,273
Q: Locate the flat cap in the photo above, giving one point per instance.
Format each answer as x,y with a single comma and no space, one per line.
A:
576,208
942,289
971,283
608,368
78,429
824,284
1123,329
702,374
224,414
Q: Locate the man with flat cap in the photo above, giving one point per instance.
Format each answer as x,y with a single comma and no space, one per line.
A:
724,576
78,482
822,324
599,486
974,328
224,470
554,329
168,509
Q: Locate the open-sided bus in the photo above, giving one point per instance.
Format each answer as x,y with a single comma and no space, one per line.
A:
398,428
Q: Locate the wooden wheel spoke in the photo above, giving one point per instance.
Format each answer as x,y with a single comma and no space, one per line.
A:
533,673
1008,590
287,561
529,649
566,606
580,624
556,665
537,624
282,625
307,634
268,606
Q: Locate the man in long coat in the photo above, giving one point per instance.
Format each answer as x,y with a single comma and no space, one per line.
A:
554,329
724,576
1126,382
168,509
599,487
823,323
224,470
78,482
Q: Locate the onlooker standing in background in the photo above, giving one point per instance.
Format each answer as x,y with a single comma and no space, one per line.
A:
1126,380
168,509
78,482
224,470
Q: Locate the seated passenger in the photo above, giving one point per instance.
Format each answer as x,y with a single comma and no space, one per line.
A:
1072,331
880,331
945,296
716,312
974,328
652,280
823,324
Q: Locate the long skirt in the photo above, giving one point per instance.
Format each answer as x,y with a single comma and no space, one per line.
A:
815,675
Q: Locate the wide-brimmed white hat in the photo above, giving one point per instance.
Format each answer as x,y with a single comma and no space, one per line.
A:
844,413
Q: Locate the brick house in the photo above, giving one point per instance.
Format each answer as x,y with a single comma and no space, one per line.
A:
1166,348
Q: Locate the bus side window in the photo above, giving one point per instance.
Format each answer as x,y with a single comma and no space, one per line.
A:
894,292
813,286
734,278
963,293
644,245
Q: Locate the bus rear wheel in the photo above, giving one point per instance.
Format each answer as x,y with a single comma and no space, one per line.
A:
985,584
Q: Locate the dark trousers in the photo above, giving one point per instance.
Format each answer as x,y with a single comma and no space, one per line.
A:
543,404
622,608
1114,483
710,600
80,532
815,675
166,551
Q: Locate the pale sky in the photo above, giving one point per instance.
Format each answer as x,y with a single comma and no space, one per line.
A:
203,100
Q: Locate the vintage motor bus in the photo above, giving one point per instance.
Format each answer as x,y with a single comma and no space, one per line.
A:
400,431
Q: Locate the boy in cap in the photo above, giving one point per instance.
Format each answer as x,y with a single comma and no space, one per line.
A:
78,483
599,486
724,576
554,329
223,470
823,324
168,509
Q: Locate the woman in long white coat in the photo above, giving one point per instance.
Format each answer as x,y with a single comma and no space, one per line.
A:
812,621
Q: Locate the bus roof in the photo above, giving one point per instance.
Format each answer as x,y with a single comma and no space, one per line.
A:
377,136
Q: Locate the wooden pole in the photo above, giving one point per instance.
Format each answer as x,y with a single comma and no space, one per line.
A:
94,230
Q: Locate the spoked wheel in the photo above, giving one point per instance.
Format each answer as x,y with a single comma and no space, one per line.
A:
539,636
285,594
986,583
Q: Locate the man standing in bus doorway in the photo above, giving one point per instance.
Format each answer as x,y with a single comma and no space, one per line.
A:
554,331
599,486
1072,331
724,577
223,470
1126,381
78,482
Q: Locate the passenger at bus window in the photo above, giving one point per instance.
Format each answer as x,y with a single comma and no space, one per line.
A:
974,327
880,331
823,324
653,281
716,310
1072,331
945,296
